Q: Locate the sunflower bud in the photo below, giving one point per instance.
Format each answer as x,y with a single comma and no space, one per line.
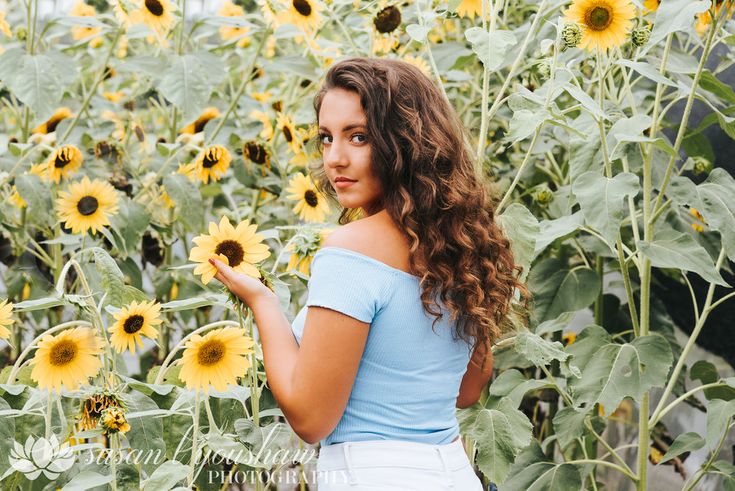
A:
113,421
640,35
701,165
543,196
571,35
544,69
21,33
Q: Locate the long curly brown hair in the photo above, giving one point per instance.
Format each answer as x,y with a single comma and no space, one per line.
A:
421,153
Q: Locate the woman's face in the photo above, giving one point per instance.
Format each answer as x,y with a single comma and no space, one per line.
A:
347,153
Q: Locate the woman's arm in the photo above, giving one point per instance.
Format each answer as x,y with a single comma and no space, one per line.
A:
476,377
311,382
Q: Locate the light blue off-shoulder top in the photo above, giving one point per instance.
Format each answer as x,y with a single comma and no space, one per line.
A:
408,379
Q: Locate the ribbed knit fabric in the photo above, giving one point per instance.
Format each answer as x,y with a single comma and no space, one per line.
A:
408,379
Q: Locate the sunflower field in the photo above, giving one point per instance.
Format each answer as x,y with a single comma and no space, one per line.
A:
139,138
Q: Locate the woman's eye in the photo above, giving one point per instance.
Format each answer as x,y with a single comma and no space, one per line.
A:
322,137
364,138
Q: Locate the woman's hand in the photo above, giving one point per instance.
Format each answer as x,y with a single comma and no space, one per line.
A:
248,289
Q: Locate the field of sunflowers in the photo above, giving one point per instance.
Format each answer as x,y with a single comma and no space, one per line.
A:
138,138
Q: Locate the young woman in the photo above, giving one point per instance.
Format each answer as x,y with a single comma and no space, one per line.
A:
403,303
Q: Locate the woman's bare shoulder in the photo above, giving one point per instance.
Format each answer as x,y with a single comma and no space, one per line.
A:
375,236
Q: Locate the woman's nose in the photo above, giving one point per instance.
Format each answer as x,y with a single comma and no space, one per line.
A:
335,155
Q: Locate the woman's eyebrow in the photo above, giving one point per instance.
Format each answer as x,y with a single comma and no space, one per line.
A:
349,127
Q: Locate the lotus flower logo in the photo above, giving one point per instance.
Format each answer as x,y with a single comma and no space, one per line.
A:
41,455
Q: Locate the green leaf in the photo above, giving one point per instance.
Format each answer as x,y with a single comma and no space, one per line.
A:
686,442
584,155
557,290
521,228
146,434
194,302
550,230
534,472
628,130
674,15
603,200
189,80
188,200
166,476
681,251
37,304
87,480
706,373
499,434
130,222
490,48
615,371
524,124
511,384
448,53
647,71
113,281
232,450
587,102
294,64
538,350
38,196
719,414
41,80
709,82
569,424
418,32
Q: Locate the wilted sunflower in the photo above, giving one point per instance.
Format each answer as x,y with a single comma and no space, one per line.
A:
303,247
311,205
304,14
113,421
240,248
288,129
156,14
50,125
386,23
6,311
87,205
267,132
216,359
64,161
212,163
605,22
254,152
198,125
69,359
93,406
81,9
132,322
229,9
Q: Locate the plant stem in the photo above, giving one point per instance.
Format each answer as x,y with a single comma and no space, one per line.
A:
517,177
683,397
194,440
254,391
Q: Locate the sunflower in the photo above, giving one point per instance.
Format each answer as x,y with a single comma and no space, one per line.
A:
50,125
304,14
651,5
93,407
419,63
261,96
113,421
6,310
254,152
471,9
288,129
311,205
69,359
87,205
303,247
198,125
267,132
704,20
212,163
64,161
81,9
605,22
132,322
229,9
216,359
156,14
240,248
4,26
113,97
386,23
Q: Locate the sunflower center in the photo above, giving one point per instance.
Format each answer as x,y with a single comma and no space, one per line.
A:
52,124
311,198
88,205
64,352
387,20
200,123
256,153
210,160
598,18
154,7
287,133
62,159
303,7
133,323
232,250
211,352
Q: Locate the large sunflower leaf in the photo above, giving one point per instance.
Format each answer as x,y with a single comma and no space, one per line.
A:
130,222
557,290
522,228
674,15
681,251
146,434
41,81
603,200
188,200
490,48
534,471
166,476
38,196
189,82
499,435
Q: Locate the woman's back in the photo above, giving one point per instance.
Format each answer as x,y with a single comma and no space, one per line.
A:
409,375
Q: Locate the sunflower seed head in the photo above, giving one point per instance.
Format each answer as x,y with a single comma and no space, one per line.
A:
701,165
640,35
571,35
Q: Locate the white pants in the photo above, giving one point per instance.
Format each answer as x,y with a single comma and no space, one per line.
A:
392,465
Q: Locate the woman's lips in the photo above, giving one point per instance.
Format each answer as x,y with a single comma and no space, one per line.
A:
343,184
